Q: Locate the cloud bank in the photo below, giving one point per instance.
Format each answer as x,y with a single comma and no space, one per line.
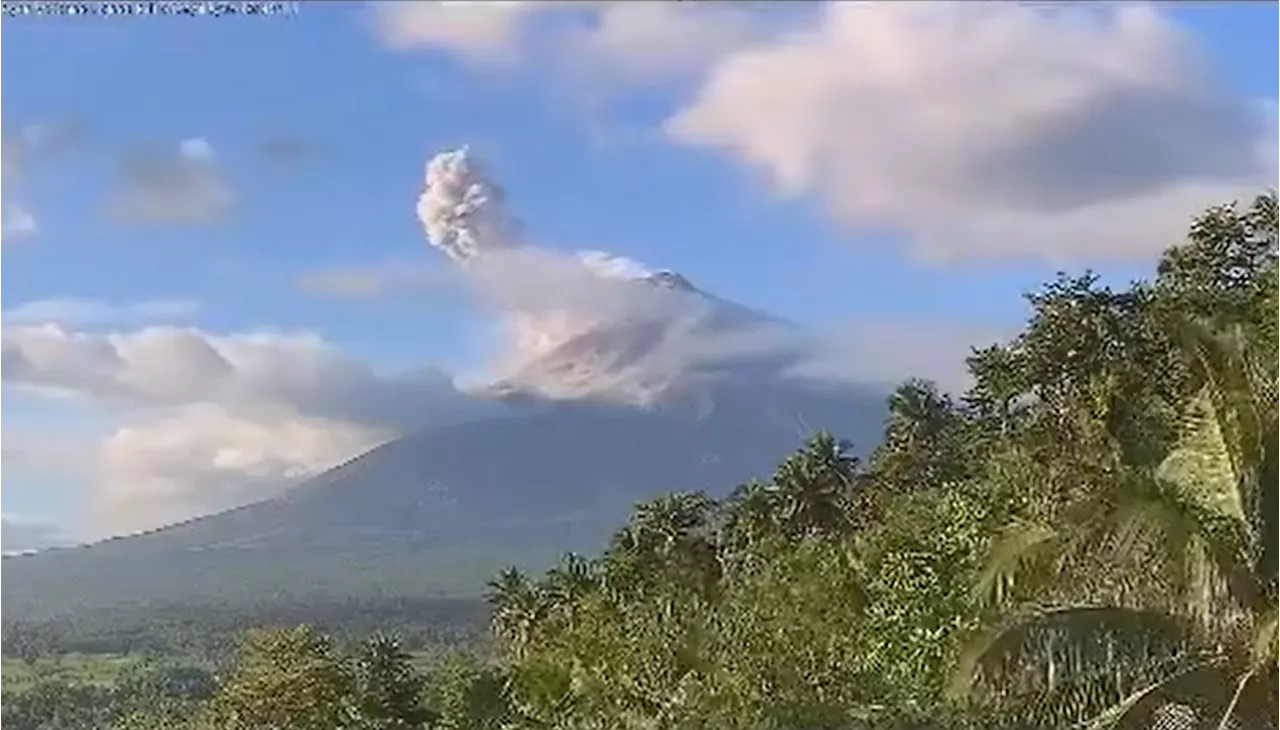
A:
979,130
210,421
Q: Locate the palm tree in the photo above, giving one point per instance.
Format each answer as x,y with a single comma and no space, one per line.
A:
1194,627
567,584
749,517
814,488
518,607
388,690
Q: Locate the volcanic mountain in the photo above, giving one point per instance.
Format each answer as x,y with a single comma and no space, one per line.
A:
675,390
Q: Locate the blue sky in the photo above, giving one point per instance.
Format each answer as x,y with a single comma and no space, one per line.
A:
579,142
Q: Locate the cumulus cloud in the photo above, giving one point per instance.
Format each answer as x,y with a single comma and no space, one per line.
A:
989,129
215,420
88,311
203,458
487,33
593,42
170,366
182,186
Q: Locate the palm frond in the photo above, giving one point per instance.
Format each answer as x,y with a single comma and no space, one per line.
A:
1265,642
1202,466
1201,557
1026,552
1071,662
1148,698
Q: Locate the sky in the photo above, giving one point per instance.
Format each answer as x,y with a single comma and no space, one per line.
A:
217,279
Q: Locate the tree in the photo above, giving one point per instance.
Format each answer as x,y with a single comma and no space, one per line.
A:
815,488
924,440
1176,562
388,691
465,694
518,607
286,680
670,541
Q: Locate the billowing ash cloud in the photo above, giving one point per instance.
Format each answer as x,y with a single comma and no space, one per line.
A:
462,211
547,300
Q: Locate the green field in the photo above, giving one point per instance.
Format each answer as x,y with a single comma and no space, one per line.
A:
95,669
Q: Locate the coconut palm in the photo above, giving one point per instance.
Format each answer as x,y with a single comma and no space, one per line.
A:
1184,553
518,606
813,489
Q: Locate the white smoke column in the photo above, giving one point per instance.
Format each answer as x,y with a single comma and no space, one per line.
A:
464,213
545,298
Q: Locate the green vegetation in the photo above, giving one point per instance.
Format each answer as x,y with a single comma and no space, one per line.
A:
103,670
1086,538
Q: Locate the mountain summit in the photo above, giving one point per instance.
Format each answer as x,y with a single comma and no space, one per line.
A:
588,324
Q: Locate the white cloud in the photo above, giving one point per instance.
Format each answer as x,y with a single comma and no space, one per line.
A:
216,420
203,458
485,33
989,129
169,366
586,41
648,42
183,186
88,311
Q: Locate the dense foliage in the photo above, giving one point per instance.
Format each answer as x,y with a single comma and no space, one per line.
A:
1086,538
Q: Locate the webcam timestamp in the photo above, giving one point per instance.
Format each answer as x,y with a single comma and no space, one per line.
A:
144,8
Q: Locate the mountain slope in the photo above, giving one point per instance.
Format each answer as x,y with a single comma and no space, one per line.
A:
438,512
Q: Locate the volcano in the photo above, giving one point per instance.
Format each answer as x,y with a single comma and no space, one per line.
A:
685,392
